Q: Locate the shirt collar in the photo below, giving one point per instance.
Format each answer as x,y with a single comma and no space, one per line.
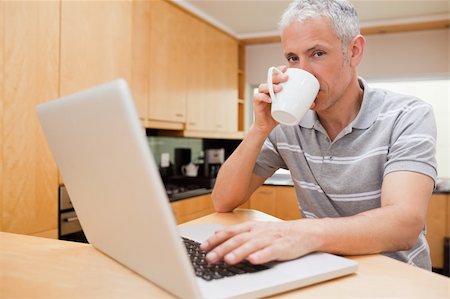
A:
367,115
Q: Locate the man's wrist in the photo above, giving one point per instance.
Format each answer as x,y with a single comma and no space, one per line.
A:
259,132
312,232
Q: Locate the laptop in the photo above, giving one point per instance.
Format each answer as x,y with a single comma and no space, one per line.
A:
115,187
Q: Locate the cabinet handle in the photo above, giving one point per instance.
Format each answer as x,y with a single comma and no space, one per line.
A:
192,124
71,219
218,126
179,115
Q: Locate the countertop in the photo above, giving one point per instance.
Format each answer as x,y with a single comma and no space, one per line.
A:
283,177
33,267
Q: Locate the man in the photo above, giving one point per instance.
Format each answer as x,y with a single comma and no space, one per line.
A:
362,159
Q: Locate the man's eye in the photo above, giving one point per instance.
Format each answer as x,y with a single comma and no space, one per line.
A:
292,59
318,53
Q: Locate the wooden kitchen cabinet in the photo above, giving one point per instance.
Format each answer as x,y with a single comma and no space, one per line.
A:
192,208
49,49
200,116
225,99
54,48
438,227
168,63
278,201
95,43
160,45
184,72
212,83
29,72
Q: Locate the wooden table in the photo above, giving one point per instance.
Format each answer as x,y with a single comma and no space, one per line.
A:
32,267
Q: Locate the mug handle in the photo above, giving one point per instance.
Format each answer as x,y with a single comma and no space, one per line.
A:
270,81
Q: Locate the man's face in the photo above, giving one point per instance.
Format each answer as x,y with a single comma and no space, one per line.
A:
313,46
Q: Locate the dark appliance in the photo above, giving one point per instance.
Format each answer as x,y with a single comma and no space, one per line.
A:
69,227
182,157
214,159
178,187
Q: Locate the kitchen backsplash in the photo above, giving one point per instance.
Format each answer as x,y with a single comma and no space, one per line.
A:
161,145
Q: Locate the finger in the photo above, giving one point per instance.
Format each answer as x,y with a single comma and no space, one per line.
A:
264,255
264,89
281,250
254,244
219,252
279,78
262,98
282,68
222,235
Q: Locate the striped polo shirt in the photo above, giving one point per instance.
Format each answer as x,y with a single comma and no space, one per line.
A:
343,177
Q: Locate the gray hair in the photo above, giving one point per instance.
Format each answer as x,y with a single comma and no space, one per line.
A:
341,13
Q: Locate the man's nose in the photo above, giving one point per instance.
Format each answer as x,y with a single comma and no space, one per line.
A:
305,65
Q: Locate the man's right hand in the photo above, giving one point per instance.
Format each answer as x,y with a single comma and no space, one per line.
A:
262,102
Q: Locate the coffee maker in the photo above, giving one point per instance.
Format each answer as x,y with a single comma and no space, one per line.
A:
214,158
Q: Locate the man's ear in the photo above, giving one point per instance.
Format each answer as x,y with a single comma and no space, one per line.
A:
356,50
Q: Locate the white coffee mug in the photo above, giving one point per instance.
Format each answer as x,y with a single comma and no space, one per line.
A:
293,101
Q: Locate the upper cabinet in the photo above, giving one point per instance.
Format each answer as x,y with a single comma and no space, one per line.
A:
168,63
212,82
185,72
182,73
95,43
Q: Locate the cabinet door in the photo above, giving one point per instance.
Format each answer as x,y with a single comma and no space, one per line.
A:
29,180
199,106
192,208
212,80
168,66
278,201
140,70
436,228
226,97
447,234
264,200
95,43
287,207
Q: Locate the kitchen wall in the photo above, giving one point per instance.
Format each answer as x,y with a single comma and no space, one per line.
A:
160,145
388,57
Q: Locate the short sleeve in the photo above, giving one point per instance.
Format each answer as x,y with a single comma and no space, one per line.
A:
413,141
269,159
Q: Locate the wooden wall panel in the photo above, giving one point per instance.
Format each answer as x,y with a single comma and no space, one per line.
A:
2,88
96,42
30,66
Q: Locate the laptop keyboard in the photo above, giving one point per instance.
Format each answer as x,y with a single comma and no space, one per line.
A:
218,270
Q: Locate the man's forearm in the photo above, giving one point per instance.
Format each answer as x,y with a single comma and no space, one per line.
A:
380,230
234,178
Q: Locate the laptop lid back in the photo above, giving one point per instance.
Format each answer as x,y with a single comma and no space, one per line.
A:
107,167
